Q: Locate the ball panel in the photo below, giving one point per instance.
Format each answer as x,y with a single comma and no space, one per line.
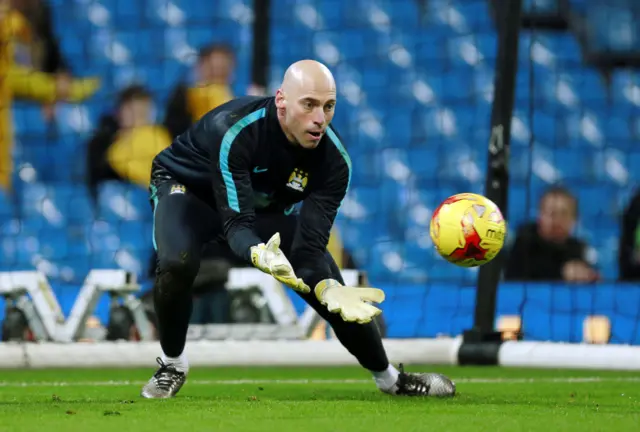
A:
468,229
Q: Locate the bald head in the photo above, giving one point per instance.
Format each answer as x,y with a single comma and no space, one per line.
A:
306,101
308,76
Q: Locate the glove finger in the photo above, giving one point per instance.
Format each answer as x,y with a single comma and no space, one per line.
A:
281,270
348,317
365,320
293,282
274,243
281,266
370,310
366,313
303,287
334,306
371,294
298,284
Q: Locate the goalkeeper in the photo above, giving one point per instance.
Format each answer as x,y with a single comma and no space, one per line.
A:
235,177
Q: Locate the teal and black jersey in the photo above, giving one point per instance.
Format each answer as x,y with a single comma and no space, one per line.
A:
238,158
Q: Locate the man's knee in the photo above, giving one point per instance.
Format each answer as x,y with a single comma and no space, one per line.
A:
176,271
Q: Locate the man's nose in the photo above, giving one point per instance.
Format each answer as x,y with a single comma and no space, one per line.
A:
318,117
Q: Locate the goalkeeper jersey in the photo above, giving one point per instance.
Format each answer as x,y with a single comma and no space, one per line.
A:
238,159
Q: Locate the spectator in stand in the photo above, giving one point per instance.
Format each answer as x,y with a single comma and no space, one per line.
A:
546,250
23,80
188,103
125,142
38,47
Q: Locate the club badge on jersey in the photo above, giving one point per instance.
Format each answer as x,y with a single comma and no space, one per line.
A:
298,180
177,189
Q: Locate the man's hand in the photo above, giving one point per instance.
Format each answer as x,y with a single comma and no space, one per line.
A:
579,271
270,259
350,302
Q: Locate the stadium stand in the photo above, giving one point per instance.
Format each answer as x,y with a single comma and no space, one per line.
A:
416,96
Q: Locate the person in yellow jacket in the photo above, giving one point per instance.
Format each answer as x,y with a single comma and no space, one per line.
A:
125,142
23,82
188,103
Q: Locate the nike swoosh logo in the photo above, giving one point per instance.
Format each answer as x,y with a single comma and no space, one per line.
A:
259,170
288,211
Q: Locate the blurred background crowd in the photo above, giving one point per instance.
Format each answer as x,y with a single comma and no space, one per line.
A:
92,90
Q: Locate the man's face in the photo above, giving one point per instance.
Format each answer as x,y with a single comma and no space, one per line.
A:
216,68
307,116
136,112
557,218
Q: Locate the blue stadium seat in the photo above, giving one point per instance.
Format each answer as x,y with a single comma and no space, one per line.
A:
16,252
125,14
121,201
402,14
28,120
612,26
625,89
425,162
145,45
55,206
6,208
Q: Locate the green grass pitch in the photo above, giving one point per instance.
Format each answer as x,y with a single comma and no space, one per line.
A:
318,399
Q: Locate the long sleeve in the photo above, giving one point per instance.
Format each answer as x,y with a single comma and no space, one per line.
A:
233,190
27,83
30,84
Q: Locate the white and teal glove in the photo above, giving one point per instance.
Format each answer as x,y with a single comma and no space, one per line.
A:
270,259
351,302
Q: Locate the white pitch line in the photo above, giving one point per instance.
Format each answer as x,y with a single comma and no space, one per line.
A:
567,380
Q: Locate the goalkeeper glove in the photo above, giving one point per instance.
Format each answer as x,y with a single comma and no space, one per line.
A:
270,259
350,302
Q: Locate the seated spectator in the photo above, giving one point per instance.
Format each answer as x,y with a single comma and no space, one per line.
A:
36,47
212,88
23,81
629,246
547,250
125,143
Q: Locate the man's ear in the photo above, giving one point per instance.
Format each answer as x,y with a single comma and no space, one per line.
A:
280,99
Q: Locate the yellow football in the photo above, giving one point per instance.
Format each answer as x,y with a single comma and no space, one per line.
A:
468,230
